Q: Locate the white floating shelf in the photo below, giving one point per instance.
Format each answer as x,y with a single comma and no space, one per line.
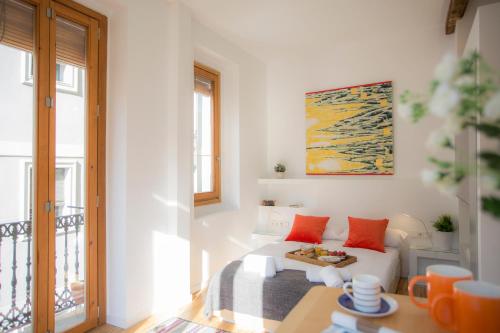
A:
324,179
292,180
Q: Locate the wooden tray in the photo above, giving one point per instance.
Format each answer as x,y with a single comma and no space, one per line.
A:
315,261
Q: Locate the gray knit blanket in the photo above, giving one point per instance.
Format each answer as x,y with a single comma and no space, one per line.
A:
271,298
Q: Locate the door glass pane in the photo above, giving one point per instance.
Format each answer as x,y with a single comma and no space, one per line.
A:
71,119
17,110
203,137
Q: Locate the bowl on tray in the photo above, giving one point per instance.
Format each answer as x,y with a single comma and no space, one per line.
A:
333,259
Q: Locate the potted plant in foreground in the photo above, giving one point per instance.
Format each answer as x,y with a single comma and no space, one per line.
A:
279,170
442,237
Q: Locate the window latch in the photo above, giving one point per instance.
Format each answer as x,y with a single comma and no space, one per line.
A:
49,102
48,206
50,12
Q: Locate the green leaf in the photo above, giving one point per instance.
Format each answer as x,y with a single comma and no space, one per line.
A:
459,174
405,97
444,223
491,159
491,205
468,106
489,129
440,164
448,143
418,111
434,85
468,65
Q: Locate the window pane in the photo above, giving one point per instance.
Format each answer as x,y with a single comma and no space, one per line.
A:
70,175
203,142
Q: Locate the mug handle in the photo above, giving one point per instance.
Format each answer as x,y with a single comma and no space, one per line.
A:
411,285
345,287
447,301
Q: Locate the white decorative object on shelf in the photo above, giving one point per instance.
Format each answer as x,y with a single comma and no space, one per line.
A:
277,220
279,170
292,180
311,180
442,240
442,236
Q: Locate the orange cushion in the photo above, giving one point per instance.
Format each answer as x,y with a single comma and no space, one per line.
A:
366,234
308,229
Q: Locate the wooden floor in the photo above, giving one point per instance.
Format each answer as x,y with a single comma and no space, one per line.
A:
194,312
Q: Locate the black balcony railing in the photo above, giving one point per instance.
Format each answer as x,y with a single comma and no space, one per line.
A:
19,313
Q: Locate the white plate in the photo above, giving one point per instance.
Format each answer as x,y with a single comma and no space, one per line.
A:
334,259
393,307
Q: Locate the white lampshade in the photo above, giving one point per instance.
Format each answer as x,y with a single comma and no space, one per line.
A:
408,223
416,229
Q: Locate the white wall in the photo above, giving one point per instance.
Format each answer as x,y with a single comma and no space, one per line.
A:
464,25
407,55
149,202
221,233
155,248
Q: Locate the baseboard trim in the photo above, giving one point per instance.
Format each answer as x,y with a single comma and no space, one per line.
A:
117,321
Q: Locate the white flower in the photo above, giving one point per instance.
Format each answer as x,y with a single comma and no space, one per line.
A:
444,100
446,68
492,107
429,176
439,139
405,111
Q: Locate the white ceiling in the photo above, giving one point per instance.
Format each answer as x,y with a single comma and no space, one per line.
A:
267,28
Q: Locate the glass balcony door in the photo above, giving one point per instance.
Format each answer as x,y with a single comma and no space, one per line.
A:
48,167
73,170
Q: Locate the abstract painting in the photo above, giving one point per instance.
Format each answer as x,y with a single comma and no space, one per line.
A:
349,131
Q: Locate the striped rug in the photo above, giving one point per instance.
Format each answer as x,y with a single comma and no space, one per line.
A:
178,325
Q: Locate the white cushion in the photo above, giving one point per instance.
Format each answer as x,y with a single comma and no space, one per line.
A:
394,237
335,230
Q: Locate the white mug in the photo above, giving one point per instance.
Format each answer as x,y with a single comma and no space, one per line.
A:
365,292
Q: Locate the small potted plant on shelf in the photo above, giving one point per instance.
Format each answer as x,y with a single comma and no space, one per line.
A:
442,237
279,170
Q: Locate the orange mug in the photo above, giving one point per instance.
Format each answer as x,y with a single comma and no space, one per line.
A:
440,279
474,306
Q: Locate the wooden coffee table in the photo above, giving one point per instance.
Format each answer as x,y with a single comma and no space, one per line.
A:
312,314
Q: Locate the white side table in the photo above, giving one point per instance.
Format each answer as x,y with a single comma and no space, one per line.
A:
421,258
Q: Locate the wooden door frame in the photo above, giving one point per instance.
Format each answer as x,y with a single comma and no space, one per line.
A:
100,155
41,321
90,213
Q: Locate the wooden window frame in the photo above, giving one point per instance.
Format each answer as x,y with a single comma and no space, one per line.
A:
213,197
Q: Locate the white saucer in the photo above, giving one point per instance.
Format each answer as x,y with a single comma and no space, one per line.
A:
391,304
333,259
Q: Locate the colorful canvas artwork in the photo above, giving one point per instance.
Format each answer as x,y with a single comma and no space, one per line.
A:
349,131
